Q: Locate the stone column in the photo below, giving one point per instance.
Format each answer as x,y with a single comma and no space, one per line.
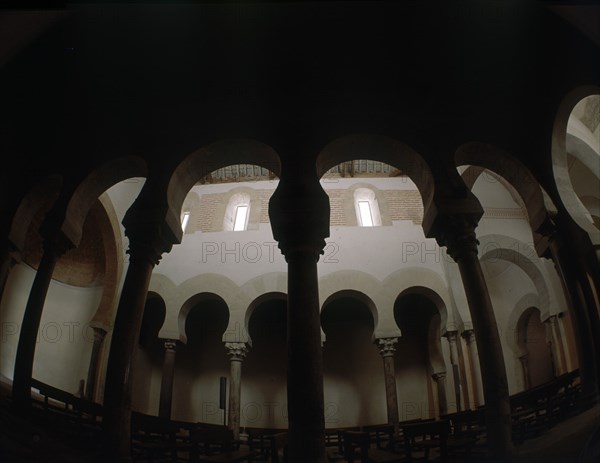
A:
166,383
54,245
440,380
524,360
458,234
147,242
451,337
469,336
584,336
92,377
237,352
387,347
558,348
299,214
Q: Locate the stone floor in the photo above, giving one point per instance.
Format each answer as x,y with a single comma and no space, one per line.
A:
575,440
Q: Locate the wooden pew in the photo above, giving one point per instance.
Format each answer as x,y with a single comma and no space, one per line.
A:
357,447
72,409
259,439
217,446
155,439
382,435
425,436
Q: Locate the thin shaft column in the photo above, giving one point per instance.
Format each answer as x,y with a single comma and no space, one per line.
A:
237,352
92,377
469,336
54,246
558,348
440,380
299,214
458,235
451,337
146,245
166,384
584,336
387,348
524,360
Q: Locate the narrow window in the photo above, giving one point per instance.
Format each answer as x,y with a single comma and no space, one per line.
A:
185,220
366,218
241,213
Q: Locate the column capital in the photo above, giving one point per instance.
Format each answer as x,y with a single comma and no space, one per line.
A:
147,241
237,350
99,333
299,216
469,336
439,376
170,345
457,233
451,336
146,228
386,346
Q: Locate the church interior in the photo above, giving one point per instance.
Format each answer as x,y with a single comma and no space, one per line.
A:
300,231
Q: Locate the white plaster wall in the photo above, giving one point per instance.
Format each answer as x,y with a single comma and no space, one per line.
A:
196,382
507,284
354,384
411,379
12,308
147,374
65,339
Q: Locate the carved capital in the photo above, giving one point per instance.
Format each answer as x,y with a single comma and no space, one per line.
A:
440,376
99,334
386,346
170,345
551,321
237,350
458,235
299,216
451,336
469,336
147,230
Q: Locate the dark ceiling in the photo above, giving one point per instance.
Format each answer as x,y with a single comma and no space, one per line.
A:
160,80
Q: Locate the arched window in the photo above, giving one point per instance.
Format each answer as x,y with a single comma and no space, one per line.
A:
367,209
237,213
185,218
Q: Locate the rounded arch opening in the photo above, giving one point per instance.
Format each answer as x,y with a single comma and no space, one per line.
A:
536,356
352,366
473,157
203,315
210,164
575,147
400,160
266,363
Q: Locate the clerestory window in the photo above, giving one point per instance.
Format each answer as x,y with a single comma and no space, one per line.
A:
367,210
241,218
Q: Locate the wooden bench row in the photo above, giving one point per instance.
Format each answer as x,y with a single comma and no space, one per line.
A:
156,439
71,408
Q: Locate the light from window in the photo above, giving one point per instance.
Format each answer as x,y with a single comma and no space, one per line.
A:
185,220
240,218
365,213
